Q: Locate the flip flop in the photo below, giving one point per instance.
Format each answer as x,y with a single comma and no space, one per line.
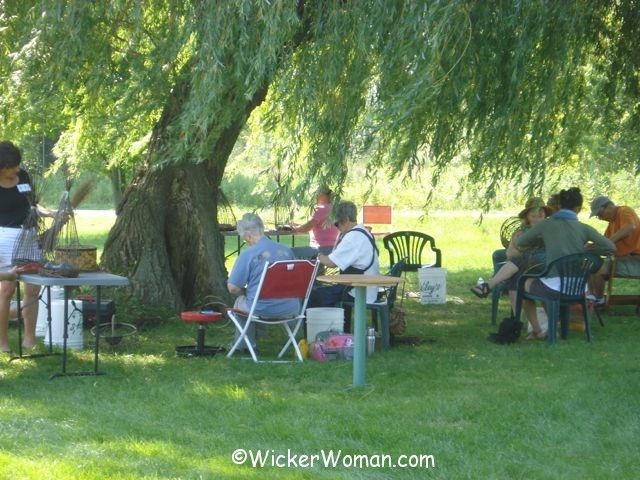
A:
537,336
481,291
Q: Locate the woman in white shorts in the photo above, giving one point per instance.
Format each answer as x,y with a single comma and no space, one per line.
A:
16,197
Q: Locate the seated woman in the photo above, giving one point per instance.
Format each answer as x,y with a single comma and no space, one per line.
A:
553,203
518,260
562,234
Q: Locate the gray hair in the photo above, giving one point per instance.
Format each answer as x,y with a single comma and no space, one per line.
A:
346,211
250,223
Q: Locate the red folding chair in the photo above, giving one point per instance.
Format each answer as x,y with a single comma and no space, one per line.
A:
285,279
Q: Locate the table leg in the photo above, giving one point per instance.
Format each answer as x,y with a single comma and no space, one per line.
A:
20,323
95,371
65,334
359,329
20,319
98,323
48,289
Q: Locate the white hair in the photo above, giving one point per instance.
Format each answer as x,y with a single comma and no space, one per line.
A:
252,224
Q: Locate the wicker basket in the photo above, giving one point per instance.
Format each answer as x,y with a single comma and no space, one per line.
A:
80,257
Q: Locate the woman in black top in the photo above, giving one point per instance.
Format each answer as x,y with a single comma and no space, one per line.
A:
16,196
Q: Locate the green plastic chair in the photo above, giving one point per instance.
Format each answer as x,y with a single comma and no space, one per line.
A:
383,306
574,271
499,257
410,246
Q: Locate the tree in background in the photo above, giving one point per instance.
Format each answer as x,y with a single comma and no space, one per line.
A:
516,89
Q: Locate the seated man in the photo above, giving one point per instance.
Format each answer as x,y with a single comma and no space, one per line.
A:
355,253
623,230
245,275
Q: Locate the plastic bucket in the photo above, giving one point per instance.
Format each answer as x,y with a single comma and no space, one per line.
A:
57,293
74,329
323,319
433,285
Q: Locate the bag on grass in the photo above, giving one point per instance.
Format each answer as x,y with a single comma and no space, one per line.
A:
334,347
508,331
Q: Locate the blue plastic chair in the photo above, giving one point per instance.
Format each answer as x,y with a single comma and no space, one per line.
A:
573,271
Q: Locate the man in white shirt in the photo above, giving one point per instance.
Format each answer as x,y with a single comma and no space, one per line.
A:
355,253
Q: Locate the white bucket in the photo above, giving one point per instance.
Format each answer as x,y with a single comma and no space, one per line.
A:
323,319
433,285
74,329
57,293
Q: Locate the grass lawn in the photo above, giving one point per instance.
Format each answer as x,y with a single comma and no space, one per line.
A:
478,410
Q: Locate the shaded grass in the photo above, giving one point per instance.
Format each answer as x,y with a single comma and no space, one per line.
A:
482,410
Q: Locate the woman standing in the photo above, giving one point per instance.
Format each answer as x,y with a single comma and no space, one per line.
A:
322,232
15,194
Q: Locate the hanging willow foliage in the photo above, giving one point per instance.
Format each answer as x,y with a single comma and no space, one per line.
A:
514,88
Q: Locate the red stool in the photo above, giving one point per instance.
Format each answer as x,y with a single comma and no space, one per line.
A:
200,349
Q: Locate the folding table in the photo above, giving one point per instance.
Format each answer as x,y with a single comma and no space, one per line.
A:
360,284
95,279
269,233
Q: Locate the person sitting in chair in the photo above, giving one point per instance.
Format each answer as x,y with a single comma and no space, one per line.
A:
623,229
518,260
355,253
244,278
562,235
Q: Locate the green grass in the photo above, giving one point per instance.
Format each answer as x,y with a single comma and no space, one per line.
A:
482,410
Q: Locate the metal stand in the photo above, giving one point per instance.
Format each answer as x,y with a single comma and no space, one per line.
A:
95,371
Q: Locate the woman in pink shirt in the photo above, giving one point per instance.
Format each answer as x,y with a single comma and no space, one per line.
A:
322,232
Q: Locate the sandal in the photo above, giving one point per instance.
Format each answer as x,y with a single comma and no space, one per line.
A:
482,290
537,336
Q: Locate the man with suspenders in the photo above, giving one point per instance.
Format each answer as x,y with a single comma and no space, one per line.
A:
355,253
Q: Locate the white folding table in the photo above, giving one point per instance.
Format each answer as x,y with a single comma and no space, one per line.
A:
95,279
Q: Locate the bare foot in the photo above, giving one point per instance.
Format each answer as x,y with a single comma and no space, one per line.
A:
29,344
4,348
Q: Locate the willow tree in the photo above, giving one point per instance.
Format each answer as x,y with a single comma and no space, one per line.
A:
514,88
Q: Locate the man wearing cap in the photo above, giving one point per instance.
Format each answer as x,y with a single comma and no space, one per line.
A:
356,253
624,231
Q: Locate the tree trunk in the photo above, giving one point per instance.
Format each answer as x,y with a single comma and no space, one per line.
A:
166,238
116,180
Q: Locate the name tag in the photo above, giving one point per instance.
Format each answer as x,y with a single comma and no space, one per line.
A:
24,187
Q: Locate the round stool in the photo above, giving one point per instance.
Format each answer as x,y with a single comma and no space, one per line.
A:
200,349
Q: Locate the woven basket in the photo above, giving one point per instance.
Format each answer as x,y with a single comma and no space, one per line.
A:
80,257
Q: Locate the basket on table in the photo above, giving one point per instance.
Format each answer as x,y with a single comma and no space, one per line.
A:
81,257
